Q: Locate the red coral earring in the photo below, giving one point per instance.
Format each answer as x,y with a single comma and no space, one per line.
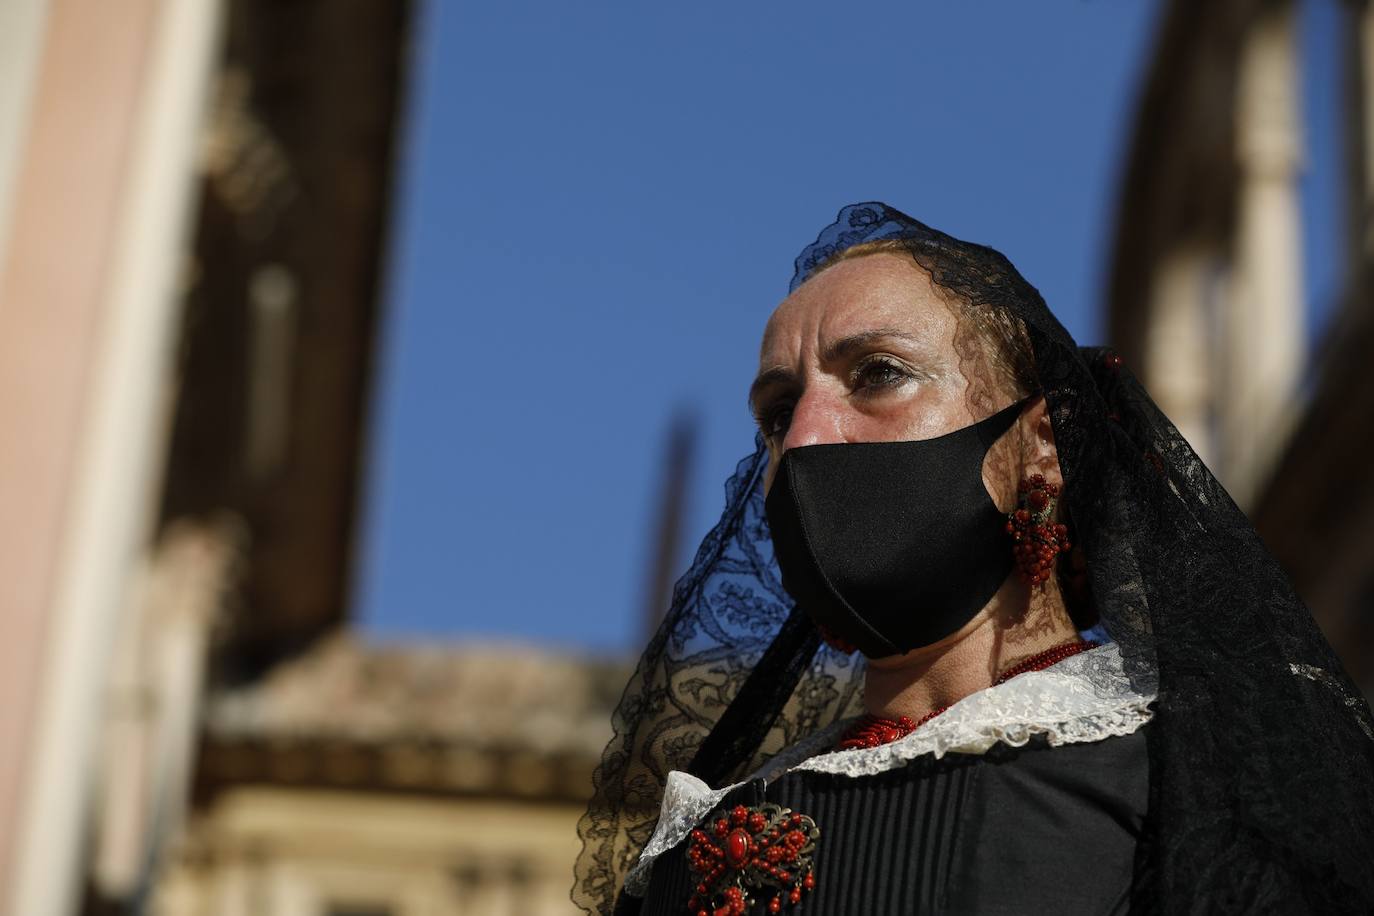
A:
1036,540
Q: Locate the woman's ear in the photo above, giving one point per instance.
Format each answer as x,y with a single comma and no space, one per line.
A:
1041,455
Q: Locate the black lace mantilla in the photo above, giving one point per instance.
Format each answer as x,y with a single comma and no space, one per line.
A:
1262,756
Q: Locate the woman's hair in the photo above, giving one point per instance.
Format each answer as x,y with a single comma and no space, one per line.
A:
1001,335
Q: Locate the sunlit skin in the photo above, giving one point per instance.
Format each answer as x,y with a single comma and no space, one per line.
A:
865,351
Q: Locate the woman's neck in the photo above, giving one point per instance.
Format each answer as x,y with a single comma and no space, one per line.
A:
1014,625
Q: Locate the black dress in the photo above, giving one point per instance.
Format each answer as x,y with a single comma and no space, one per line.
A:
1034,829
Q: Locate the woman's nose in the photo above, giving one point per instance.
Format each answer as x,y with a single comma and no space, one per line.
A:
816,420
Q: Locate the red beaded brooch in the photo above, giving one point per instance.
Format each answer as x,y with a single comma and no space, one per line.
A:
760,850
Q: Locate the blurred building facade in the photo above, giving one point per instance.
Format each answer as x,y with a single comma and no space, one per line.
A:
1206,284
410,780
1315,509
1206,300
194,197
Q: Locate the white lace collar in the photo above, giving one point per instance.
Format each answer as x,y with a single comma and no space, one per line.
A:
1086,697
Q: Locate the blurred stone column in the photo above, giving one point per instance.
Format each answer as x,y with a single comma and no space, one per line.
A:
153,702
1179,347
1265,343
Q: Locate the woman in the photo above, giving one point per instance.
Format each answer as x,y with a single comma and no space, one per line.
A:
906,718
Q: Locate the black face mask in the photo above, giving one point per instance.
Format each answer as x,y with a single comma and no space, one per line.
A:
891,545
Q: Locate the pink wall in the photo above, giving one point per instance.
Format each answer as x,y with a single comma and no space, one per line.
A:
68,189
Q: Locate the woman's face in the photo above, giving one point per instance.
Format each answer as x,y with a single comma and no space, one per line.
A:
865,351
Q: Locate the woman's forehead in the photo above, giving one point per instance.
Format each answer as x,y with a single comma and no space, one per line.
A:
883,289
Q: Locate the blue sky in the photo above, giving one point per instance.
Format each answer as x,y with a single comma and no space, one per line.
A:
598,207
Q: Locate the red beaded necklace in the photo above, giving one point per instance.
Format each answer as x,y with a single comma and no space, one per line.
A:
871,730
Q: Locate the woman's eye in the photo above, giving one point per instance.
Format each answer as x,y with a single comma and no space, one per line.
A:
881,374
775,422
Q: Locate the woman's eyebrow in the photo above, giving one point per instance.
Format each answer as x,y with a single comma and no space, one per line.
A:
845,345
773,376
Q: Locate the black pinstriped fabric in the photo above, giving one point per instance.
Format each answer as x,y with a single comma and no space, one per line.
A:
1014,831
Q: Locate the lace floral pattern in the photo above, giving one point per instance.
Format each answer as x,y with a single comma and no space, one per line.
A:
1086,697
